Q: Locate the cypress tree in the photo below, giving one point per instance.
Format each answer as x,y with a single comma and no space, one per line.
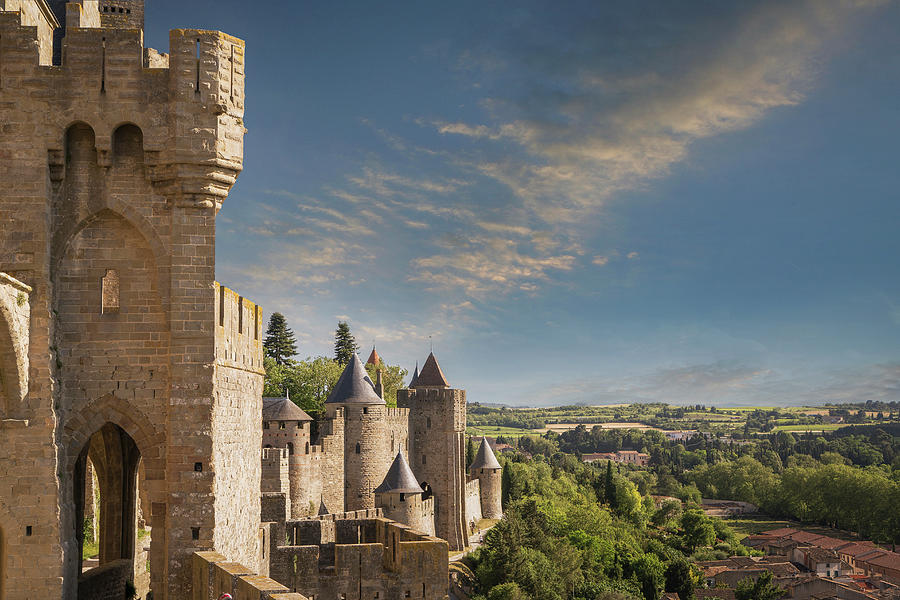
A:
505,484
470,452
344,344
609,489
280,344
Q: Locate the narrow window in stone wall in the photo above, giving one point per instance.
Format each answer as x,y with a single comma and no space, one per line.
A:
290,448
307,447
109,292
424,459
221,306
281,425
357,447
197,83
428,423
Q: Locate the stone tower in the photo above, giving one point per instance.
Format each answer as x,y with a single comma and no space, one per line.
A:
490,475
286,425
400,496
437,427
113,166
365,450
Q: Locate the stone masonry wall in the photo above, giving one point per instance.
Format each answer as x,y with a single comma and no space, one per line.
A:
83,193
437,432
331,464
237,429
362,558
473,501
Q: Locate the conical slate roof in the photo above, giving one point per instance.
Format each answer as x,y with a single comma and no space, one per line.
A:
399,478
485,458
323,510
374,359
282,409
354,386
431,375
415,377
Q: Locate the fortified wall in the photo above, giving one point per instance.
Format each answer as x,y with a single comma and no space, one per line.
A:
359,558
114,163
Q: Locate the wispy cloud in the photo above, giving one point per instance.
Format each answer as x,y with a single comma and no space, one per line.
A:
598,131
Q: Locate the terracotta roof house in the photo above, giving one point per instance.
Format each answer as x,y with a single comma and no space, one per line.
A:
804,537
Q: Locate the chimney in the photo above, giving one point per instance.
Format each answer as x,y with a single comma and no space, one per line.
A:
379,386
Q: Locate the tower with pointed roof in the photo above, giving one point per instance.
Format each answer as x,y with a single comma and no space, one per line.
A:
286,425
401,498
489,473
437,425
367,431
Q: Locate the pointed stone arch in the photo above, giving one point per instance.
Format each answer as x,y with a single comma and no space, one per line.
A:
81,425
119,209
105,417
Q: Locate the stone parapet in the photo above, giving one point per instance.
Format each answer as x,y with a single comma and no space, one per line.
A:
214,575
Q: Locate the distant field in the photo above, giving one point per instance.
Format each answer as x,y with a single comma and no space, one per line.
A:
818,427
567,426
494,430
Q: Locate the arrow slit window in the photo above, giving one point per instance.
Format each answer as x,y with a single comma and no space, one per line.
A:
109,292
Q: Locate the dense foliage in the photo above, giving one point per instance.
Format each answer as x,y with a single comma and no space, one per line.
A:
308,382
574,530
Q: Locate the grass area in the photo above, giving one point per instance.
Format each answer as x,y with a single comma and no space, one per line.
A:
495,430
750,524
91,549
746,525
810,427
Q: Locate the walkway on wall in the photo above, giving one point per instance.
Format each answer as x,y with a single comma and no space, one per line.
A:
475,539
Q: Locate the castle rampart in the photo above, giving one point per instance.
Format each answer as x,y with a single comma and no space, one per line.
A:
357,558
113,172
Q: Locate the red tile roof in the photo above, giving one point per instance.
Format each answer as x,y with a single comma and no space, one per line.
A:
784,531
804,537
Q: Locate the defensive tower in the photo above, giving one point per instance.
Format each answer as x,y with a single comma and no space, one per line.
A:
400,496
437,426
365,452
286,425
489,473
114,164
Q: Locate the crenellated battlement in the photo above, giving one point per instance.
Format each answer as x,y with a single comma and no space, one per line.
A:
189,104
238,331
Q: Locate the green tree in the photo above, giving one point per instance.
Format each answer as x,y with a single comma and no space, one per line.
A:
280,344
344,344
679,578
507,591
698,529
392,377
761,589
609,488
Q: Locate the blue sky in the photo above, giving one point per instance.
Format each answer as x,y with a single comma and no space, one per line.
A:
578,202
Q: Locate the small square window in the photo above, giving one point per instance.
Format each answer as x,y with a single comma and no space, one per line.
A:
195,533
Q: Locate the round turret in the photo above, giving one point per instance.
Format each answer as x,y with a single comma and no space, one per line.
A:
286,425
365,439
400,496
490,476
